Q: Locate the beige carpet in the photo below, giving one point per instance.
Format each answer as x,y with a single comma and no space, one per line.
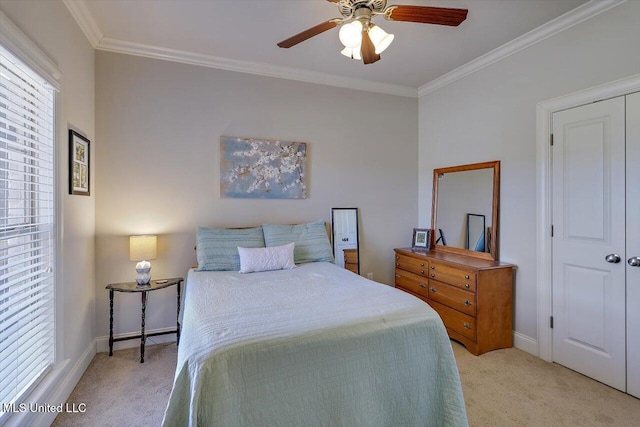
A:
501,388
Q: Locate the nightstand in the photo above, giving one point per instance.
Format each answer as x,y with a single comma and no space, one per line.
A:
133,287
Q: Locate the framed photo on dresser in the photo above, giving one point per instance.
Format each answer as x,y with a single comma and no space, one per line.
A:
421,239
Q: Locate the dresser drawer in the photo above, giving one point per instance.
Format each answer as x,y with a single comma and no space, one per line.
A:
412,282
453,297
413,265
461,323
453,276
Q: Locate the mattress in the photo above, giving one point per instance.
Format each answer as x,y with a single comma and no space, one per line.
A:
312,346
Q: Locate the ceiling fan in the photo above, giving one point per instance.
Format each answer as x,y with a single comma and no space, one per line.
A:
363,39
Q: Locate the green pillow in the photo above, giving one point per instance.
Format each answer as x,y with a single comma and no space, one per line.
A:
311,240
217,248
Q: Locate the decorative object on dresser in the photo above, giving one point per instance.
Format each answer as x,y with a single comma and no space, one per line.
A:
470,289
345,238
142,249
421,239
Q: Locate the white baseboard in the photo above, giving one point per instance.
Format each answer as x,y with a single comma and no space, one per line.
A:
525,343
103,342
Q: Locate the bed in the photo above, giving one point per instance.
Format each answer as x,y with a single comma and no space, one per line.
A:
315,345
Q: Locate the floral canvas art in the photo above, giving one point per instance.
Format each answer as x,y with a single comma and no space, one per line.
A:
262,169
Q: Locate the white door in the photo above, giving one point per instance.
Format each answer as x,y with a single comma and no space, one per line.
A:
633,244
345,233
589,225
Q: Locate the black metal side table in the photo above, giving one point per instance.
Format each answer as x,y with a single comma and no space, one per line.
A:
133,287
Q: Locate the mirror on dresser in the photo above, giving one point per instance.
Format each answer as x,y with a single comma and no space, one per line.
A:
465,209
344,231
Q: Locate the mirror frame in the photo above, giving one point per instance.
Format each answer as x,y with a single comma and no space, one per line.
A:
493,244
333,232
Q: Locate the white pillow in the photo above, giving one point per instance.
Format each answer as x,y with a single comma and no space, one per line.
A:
266,259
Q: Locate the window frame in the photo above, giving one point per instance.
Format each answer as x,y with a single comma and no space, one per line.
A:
16,42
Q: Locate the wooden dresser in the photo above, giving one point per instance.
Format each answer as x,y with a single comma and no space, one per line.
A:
351,259
473,296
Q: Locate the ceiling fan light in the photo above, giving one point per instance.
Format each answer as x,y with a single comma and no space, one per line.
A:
352,52
380,38
351,34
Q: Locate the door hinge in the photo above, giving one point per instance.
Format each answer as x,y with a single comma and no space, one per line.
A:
551,322
551,230
551,140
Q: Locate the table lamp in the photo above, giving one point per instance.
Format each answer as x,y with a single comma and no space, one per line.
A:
142,249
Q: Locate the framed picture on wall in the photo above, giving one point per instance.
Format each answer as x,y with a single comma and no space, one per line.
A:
421,238
78,164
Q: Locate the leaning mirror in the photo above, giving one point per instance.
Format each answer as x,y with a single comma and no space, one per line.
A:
465,209
344,226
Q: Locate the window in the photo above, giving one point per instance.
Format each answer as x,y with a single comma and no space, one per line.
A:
27,229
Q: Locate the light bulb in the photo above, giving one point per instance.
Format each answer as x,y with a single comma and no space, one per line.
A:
352,52
351,34
380,38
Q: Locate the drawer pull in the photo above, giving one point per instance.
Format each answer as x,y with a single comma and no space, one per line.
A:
433,275
467,302
422,264
466,277
421,271
398,264
466,285
398,276
467,326
434,290
433,267
422,285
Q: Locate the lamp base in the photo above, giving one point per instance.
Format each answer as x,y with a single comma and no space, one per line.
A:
144,276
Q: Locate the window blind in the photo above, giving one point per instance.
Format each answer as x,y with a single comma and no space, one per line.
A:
27,229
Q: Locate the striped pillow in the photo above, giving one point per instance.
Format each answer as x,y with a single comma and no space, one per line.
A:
217,248
311,240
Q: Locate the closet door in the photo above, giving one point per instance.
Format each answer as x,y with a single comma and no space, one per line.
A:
633,244
589,241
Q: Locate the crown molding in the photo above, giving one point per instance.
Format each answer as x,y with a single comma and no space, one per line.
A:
20,45
89,27
551,28
80,12
248,67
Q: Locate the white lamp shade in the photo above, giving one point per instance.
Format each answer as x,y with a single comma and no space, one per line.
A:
380,38
352,52
142,248
351,34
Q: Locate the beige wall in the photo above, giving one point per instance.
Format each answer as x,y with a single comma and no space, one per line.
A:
159,125
491,115
50,26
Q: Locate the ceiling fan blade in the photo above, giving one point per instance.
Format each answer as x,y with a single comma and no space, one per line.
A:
426,15
307,34
368,50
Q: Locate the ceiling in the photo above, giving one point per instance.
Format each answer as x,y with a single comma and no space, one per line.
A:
245,32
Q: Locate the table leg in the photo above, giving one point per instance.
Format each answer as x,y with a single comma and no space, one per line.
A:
178,318
143,336
110,322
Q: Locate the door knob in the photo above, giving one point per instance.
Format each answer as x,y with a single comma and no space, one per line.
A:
612,258
634,261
